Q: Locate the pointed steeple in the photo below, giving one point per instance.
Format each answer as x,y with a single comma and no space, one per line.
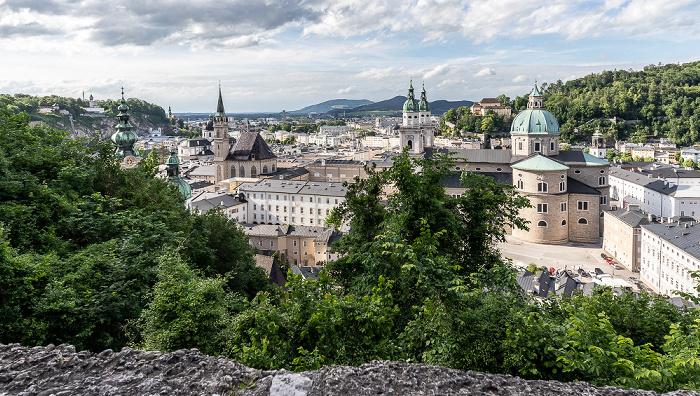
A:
411,104
220,106
534,100
423,105
124,138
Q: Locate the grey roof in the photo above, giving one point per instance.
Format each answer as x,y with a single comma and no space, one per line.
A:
271,268
576,187
307,272
295,187
453,179
288,173
472,156
644,180
325,235
571,157
197,142
222,201
250,146
543,285
685,236
633,218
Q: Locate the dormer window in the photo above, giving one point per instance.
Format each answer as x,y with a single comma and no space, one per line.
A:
538,147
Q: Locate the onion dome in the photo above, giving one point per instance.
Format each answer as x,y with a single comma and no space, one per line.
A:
411,104
173,170
423,105
535,120
124,138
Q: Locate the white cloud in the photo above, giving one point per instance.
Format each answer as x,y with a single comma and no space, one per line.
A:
349,89
520,78
485,72
440,70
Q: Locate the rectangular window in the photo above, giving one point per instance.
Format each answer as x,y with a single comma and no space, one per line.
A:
294,198
301,210
537,147
542,208
304,243
272,243
284,209
582,205
294,243
319,212
542,187
520,145
562,186
551,146
562,206
603,199
255,207
292,209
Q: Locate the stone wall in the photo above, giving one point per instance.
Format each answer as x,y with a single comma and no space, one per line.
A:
60,371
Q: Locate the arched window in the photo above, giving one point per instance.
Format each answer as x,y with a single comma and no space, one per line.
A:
601,181
273,167
241,171
563,222
542,187
542,223
253,171
582,221
264,168
233,171
520,184
602,214
410,144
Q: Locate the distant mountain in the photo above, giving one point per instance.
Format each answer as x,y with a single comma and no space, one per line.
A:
395,105
331,105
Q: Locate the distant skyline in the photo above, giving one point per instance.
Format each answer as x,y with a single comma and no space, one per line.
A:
279,55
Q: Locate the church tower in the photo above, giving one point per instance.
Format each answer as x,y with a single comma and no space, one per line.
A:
535,130
124,138
221,140
416,131
598,148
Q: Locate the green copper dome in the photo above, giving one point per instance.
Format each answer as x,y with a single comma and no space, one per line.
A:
535,121
411,104
173,170
124,138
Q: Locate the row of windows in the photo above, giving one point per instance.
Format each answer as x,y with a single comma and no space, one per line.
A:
538,146
294,198
543,223
284,209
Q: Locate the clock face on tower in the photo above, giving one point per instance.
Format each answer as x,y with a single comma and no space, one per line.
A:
129,161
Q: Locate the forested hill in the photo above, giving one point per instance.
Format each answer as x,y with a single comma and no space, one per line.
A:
658,101
144,115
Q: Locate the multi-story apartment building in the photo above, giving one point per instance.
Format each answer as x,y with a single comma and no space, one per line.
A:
663,193
622,235
278,202
670,253
297,245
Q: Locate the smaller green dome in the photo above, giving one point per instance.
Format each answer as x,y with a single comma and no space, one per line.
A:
183,186
424,105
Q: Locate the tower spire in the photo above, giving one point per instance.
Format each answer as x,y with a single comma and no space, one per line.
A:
124,138
220,106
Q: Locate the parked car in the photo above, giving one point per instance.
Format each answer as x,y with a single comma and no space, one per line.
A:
615,266
585,274
603,276
609,260
603,255
598,271
633,279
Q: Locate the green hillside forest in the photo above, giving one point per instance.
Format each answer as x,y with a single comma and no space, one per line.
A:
103,257
658,101
143,114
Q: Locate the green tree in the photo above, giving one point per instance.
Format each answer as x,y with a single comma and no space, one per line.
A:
689,163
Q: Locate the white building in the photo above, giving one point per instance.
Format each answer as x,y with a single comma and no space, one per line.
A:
230,205
664,193
279,202
670,252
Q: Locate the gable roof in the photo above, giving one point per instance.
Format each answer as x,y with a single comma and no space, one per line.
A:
539,163
579,157
250,146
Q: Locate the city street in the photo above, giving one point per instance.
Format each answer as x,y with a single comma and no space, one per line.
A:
567,256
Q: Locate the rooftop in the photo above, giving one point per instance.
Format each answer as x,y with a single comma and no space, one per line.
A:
683,235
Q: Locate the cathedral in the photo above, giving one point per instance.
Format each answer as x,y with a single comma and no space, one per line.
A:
249,157
416,130
568,190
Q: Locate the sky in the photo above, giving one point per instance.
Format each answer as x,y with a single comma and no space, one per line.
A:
274,55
